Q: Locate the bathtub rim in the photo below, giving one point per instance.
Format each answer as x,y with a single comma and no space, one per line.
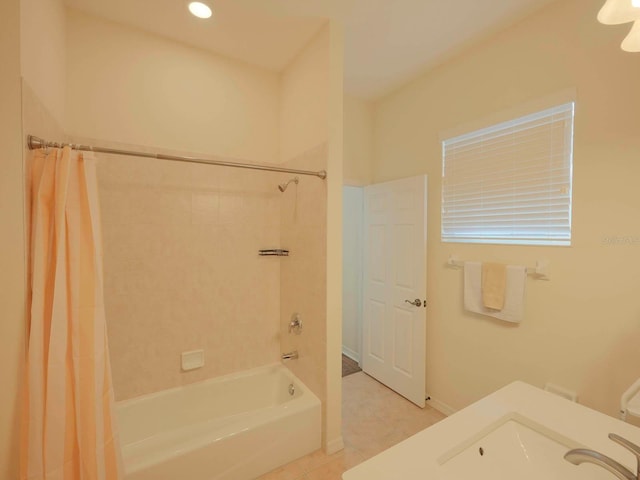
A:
221,379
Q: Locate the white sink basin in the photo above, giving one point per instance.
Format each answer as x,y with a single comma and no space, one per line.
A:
519,432
515,447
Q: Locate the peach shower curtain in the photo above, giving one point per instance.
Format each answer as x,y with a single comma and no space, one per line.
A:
68,417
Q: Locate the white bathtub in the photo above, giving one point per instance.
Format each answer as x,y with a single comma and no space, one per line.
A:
236,427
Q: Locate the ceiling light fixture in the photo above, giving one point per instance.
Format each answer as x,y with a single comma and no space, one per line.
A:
200,10
615,12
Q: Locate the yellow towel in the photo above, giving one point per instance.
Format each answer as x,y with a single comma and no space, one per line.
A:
494,283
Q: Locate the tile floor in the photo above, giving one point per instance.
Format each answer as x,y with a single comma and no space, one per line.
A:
374,418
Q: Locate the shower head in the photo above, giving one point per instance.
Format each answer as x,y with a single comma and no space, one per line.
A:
283,186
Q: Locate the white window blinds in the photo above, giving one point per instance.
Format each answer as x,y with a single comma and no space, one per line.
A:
510,183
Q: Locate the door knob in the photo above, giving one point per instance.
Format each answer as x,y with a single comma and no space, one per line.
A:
417,302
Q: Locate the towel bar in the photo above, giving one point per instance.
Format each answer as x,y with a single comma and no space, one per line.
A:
539,272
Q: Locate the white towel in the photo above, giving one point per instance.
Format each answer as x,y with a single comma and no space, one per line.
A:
513,310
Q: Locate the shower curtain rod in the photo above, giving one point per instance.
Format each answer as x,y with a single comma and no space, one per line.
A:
35,143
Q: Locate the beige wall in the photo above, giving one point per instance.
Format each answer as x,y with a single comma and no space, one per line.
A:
303,286
128,86
311,117
43,52
304,99
12,281
581,329
335,166
358,141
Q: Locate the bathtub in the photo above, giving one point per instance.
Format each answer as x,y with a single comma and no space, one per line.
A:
235,427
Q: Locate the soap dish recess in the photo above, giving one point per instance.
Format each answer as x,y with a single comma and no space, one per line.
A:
192,360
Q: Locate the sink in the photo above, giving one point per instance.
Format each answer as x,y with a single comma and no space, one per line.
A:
515,447
519,432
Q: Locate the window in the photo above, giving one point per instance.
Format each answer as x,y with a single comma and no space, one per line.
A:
510,183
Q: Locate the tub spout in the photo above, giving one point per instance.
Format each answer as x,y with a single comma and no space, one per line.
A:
290,356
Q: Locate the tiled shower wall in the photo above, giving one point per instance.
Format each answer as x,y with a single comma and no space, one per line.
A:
182,270
303,273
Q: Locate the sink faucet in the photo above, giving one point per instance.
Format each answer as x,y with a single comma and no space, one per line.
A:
583,455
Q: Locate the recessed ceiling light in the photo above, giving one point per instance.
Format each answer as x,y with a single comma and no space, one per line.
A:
635,3
200,9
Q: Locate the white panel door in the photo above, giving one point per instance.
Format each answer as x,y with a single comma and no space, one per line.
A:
394,303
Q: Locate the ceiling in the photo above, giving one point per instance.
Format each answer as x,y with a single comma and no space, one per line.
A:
387,42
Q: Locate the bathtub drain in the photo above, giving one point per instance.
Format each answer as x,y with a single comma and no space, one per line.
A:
292,389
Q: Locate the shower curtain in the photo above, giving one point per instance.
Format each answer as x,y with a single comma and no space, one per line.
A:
68,422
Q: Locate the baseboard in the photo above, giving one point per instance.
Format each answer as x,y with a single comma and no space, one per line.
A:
334,445
351,354
441,406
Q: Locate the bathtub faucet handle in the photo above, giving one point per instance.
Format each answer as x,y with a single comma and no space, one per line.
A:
295,325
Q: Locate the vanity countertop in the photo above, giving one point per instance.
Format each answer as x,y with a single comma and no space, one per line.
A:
562,423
